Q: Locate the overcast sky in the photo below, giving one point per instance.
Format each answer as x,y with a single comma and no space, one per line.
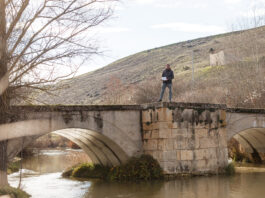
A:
139,25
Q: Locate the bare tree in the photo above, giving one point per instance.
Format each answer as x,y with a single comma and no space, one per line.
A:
41,42
114,88
148,91
245,82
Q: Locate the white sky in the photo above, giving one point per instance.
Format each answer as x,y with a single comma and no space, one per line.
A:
144,24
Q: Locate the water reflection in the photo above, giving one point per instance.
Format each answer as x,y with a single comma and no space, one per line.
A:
101,189
42,179
53,161
238,186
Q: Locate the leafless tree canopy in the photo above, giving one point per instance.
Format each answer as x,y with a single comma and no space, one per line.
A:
45,37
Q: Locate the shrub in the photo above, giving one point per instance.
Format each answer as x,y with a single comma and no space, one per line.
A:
148,91
68,172
82,170
144,167
100,171
13,167
86,170
13,192
185,68
237,152
230,169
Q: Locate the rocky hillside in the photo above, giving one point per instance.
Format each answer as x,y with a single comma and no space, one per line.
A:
125,74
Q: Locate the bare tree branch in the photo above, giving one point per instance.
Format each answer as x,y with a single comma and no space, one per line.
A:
43,36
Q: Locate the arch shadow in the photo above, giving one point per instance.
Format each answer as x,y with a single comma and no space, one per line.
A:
253,141
100,149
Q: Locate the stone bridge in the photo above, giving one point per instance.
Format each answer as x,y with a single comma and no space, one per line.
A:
183,137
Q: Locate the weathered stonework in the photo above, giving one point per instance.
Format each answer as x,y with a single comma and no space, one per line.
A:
186,141
186,138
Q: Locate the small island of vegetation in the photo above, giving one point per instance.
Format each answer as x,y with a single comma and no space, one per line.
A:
144,168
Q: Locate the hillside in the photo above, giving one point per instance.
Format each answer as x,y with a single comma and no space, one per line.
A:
124,75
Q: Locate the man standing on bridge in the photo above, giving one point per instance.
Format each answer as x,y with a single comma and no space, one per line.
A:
167,77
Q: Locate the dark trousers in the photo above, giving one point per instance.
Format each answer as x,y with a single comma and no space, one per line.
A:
164,86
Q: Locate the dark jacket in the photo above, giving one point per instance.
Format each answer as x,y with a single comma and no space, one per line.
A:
169,74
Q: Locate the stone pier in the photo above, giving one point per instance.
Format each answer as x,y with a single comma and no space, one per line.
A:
185,139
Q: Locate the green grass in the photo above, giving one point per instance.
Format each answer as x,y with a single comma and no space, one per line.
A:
13,192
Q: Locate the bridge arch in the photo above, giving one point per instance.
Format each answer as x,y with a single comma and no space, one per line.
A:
238,122
249,131
105,142
252,139
99,148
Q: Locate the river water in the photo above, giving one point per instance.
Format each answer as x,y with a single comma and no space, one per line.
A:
41,177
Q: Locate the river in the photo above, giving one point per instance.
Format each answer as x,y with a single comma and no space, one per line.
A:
41,177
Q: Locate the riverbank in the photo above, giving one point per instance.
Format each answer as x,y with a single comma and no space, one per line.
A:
43,173
10,192
249,168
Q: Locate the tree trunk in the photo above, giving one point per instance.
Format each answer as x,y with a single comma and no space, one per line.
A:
3,163
3,96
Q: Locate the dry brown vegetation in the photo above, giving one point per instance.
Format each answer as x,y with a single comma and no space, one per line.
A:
136,79
237,85
239,154
53,141
240,83
91,88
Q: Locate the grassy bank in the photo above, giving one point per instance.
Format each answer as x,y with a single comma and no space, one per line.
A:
136,169
13,192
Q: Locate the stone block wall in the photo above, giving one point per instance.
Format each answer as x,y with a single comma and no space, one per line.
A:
185,141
